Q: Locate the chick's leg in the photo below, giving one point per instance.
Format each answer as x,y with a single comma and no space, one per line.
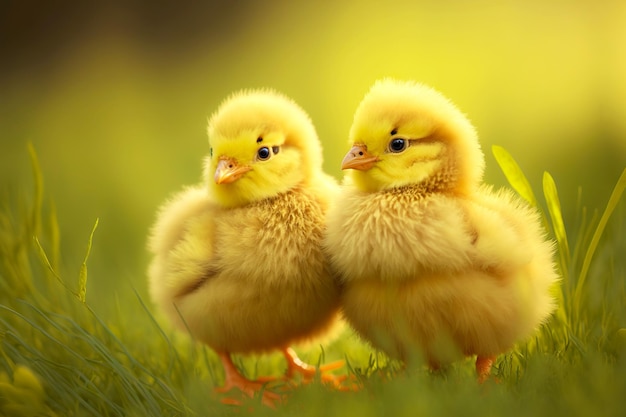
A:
296,365
233,379
483,367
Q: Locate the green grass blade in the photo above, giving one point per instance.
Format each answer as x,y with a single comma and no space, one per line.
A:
556,215
82,279
172,356
44,259
514,174
38,191
613,201
55,237
516,178
46,332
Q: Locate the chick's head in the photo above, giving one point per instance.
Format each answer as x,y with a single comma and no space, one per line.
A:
405,133
261,144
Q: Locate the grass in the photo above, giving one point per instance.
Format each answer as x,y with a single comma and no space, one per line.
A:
59,358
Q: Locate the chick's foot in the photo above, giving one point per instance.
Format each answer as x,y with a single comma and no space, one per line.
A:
233,379
308,372
483,367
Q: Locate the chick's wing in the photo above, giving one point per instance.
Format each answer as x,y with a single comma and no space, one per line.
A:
182,241
506,231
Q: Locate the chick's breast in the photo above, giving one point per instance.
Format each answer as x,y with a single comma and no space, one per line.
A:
396,234
266,283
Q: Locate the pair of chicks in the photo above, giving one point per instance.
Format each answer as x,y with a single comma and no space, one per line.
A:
414,252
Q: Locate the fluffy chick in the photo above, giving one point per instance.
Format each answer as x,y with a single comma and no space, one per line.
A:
431,260
238,260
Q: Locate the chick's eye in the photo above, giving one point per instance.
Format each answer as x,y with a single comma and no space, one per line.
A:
397,145
263,153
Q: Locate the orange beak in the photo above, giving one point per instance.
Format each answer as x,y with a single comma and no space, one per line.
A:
229,171
358,158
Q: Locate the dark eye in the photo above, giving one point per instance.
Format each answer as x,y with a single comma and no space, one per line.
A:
263,153
397,145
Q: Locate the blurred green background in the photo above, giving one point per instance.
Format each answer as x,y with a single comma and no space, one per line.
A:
115,96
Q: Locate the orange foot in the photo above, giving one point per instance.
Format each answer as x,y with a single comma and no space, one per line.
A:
483,367
233,379
308,372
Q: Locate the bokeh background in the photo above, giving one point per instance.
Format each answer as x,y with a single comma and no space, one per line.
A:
115,96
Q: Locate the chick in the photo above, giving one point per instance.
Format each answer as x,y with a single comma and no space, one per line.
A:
431,260
238,260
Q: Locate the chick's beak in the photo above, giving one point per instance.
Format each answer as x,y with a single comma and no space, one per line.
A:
358,158
229,171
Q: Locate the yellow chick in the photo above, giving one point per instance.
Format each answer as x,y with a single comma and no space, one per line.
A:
431,260
238,260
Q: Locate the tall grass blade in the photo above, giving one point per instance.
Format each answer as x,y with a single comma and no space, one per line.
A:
514,174
38,191
556,215
55,237
613,201
82,278
44,259
516,178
